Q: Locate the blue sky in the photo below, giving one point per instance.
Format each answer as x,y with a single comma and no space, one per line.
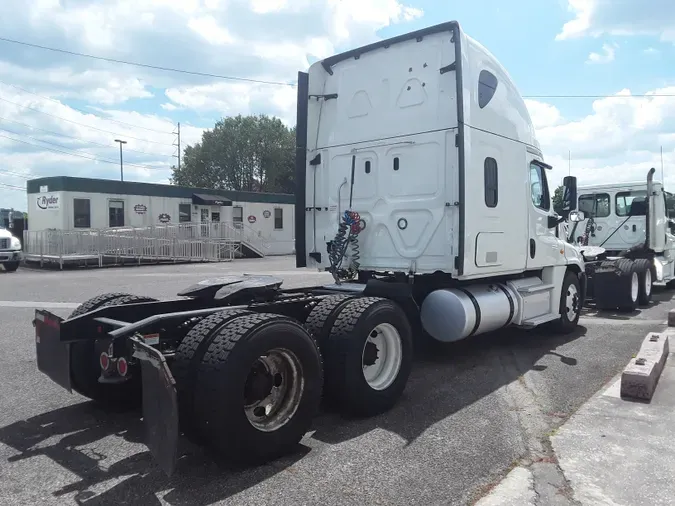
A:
79,105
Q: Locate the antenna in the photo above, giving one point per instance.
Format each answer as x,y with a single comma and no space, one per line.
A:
663,181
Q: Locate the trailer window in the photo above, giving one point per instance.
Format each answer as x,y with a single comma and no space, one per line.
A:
81,213
539,188
184,213
278,218
490,177
624,203
487,86
116,213
596,204
238,216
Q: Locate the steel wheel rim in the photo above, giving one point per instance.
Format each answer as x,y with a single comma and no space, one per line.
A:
273,389
648,282
572,302
634,286
382,356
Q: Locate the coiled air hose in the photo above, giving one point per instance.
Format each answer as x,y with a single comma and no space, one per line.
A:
349,229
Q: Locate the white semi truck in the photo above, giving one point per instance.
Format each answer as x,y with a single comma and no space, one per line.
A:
421,187
626,236
10,250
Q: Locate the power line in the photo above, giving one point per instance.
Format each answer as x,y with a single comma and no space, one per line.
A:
86,112
18,174
12,187
82,124
643,95
145,65
71,153
66,147
276,83
76,138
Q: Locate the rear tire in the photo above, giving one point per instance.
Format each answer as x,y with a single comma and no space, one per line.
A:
646,275
570,305
368,356
11,266
186,362
84,364
323,315
258,388
629,287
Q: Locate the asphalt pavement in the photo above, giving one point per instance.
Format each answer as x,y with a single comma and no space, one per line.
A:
472,412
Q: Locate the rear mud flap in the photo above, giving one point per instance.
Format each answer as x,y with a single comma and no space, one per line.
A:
160,406
53,356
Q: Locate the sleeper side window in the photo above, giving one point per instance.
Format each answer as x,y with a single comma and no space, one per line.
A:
487,86
491,182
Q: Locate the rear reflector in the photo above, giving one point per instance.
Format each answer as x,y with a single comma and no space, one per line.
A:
104,361
122,367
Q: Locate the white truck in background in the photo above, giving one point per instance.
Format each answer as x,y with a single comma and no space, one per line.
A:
626,237
10,250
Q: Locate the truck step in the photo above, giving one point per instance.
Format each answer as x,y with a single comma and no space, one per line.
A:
535,288
539,320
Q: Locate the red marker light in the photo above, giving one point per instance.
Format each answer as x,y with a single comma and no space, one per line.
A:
122,366
104,361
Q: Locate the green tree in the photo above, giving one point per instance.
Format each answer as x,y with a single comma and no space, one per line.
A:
245,153
558,199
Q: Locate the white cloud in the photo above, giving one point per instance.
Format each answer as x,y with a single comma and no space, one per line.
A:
208,27
543,115
628,17
267,6
606,56
98,86
619,141
257,39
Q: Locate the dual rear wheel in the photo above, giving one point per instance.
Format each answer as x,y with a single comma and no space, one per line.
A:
250,384
624,284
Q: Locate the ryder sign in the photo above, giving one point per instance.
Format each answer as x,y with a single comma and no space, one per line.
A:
48,201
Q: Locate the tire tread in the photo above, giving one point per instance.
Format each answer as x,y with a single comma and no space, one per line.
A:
213,369
337,357
189,354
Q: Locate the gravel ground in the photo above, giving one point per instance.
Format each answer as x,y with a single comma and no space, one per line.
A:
471,411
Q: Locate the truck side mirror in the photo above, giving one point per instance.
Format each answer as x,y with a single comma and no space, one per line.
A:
569,201
576,216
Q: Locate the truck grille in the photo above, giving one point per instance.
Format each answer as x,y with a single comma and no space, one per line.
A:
4,243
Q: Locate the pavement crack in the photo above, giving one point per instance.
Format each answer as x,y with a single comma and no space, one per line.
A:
549,483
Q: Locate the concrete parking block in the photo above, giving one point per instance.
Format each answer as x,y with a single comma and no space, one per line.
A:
671,318
641,375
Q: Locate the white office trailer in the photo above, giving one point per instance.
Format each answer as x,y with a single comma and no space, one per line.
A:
79,208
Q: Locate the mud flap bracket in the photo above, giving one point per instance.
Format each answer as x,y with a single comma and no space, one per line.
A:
160,405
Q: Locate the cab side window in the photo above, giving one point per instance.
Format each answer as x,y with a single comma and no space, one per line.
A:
596,204
539,188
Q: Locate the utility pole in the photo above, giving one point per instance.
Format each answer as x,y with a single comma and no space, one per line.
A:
121,166
663,181
569,162
178,145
